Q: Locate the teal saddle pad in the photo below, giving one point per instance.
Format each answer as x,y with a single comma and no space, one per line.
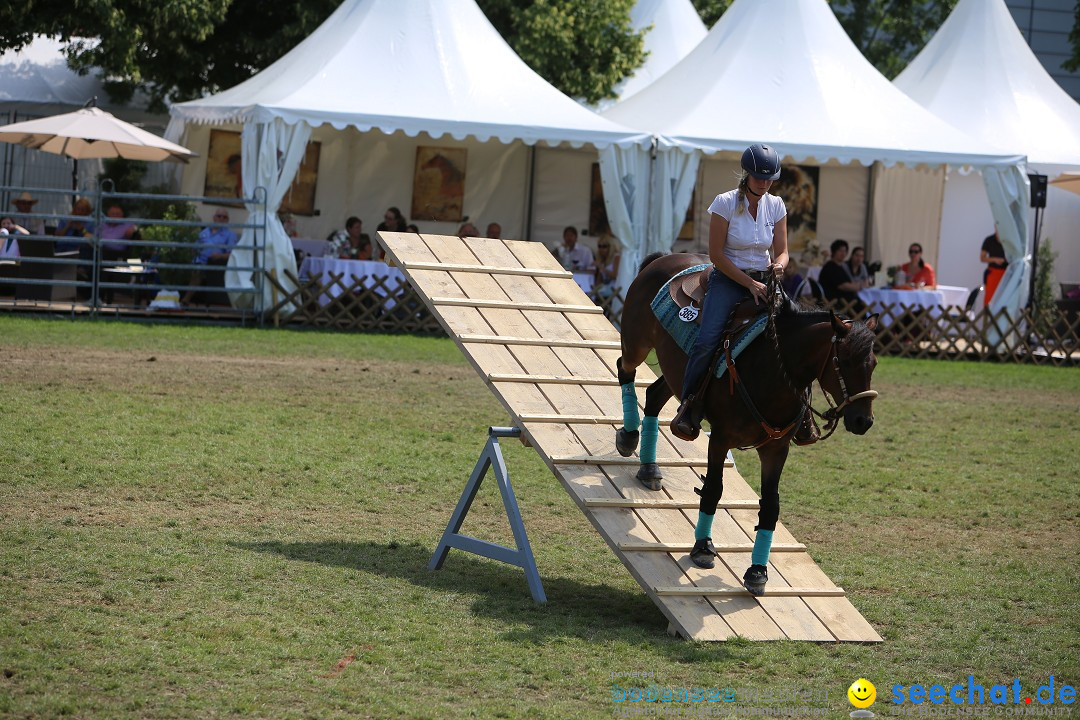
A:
685,333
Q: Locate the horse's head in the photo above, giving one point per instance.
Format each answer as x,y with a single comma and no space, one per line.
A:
846,374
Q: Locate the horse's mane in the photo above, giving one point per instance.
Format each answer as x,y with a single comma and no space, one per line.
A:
860,340
648,259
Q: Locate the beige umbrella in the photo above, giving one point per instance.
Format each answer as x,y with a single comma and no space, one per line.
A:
92,133
1068,181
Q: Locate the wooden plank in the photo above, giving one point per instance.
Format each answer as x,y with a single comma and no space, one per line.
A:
676,547
562,379
452,267
467,302
770,592
666,503
572,419
550,342
620,460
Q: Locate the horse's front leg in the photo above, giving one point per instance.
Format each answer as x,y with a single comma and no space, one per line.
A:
655,398
703,551
773,455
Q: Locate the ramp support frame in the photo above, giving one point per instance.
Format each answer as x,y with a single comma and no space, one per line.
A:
522,557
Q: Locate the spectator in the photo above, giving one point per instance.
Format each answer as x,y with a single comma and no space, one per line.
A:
835,277
359,248
574,257
413,229
919,273
113,232
607,266
9,244
467,229
25,205
341,239
393,221
215,245
75,228
857,269
993,254
793,279
494,230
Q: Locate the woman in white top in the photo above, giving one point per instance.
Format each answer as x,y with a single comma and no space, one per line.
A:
747,225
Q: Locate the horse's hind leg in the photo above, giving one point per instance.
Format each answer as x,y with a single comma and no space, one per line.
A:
626,437
703,551
655,398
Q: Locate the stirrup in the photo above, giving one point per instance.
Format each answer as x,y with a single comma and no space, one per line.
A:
806,433
683,425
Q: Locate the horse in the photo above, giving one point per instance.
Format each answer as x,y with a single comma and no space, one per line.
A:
775,370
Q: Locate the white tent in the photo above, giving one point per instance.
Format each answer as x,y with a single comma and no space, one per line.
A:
785,72
674,29
426,66
979,74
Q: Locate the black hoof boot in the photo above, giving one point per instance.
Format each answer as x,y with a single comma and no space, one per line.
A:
650,477
626,441
703,553
755,578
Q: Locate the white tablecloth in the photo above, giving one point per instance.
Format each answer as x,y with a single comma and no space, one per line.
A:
954,294
932,300
311,246
367,272
584,281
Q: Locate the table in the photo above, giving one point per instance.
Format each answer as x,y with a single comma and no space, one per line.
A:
134,274
365,272
931,300
585,281
311,247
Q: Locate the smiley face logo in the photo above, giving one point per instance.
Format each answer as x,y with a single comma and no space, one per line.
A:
862,693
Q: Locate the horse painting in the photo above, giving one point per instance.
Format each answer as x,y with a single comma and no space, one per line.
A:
759,403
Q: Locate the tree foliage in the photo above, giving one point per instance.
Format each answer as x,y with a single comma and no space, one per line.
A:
582,48
1072,64
891,32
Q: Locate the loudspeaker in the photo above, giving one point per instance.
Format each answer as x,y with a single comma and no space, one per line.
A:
1038,191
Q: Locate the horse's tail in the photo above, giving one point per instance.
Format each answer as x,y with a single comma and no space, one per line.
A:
648,259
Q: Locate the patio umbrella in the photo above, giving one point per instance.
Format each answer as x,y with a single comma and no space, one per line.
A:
1068,181
92,133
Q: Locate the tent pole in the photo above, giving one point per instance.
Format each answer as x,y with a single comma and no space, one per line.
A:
529,192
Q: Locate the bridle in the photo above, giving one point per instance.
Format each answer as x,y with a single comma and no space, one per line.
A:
836,410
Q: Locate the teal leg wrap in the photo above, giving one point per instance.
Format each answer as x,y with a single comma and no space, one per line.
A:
703,529
762,545
650,430
630,417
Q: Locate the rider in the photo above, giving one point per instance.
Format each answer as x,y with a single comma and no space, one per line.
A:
746,224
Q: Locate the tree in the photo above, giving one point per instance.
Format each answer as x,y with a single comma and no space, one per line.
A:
582,48
1073,63
711,10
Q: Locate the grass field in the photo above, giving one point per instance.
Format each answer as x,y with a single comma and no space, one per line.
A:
217,522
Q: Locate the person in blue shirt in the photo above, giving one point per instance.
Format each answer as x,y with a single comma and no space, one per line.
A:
215,245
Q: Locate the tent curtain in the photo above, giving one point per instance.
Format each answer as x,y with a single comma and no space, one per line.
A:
271,156
1009,191
675,174
906,206
625,173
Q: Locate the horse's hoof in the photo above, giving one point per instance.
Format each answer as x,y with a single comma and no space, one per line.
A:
755,578
650,477
626,441
703,552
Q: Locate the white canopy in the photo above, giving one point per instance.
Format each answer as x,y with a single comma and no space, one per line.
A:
809,91
675,28
433,66
979,74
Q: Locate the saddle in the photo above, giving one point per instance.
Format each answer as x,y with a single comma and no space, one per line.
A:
687,291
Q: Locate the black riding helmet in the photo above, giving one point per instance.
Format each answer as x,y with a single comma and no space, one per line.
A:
761,161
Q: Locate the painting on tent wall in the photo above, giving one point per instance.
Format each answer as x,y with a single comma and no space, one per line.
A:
224,176
439,184
798,186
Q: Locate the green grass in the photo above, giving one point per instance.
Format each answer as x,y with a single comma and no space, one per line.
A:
216,522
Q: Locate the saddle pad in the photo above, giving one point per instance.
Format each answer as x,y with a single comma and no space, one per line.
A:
685,332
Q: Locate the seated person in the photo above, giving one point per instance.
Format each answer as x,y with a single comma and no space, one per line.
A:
112,231
393,221
467,229
494,230
215,245
607,266
572,256
9,244
413,229
793,279
857,267
341,239
24,204
835,277
75,228
919,272
357,249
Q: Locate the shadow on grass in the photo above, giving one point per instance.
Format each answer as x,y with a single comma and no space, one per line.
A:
591,612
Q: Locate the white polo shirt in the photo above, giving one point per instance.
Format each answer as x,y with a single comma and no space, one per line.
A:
749,241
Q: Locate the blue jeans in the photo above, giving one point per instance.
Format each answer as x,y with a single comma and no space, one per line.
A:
721,297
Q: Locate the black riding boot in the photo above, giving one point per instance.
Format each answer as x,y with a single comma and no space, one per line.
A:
807,432
685,425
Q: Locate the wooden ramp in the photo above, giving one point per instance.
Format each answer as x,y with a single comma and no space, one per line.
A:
548,353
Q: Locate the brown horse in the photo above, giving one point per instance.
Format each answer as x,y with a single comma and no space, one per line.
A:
776,371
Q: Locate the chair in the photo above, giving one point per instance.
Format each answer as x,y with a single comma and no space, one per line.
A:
30,248
1067,288
961,323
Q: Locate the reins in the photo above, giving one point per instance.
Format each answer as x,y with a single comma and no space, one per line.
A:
831,416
